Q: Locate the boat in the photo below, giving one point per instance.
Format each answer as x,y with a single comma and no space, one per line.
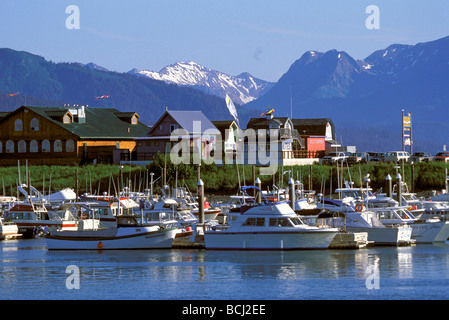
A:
423,231
366,221
131,233
33,219
58,197
9,230
269,226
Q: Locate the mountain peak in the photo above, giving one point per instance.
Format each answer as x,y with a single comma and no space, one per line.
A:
242,88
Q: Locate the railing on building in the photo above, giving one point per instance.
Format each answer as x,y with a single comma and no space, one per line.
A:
308,154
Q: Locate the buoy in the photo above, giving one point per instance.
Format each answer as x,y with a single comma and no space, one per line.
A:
99,245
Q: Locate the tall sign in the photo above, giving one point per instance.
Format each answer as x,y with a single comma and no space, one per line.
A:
407,131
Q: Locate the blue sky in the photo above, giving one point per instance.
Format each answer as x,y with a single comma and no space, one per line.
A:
260,37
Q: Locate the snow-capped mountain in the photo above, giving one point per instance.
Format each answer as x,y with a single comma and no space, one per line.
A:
242,88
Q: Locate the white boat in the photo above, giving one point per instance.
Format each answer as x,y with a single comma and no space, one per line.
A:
8,229
61,196
424,231
269,227
366,221
31,218
129,234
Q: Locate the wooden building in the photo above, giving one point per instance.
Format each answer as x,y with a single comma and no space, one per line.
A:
198,130
66,135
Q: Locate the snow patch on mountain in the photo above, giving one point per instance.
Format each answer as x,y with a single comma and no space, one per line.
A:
242,88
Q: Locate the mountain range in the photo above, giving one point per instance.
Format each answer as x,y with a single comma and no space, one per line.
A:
41,82
370,93
241,89
363,97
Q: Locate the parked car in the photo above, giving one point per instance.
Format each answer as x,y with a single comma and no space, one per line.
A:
358,157
396,156
421,157
441,156
376,156
333,157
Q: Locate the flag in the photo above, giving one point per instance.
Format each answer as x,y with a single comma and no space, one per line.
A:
102,97
13,94
267,113
232,109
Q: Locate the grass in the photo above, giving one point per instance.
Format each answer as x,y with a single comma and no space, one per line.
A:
218,180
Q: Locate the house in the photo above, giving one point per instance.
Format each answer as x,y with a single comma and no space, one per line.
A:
190,127
319,135
273,137
66,135
229,131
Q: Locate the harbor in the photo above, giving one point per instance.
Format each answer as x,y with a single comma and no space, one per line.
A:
30,271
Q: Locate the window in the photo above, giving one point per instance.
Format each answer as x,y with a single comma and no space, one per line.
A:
280,222
70,146
173,127
18,125
134,120
45,146
22,146
9,146
34,124
258,222
148,143
66,119
58,146
34,146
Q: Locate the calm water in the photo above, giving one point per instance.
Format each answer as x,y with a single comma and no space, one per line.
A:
29,271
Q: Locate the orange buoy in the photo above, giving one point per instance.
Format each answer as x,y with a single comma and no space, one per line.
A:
99,245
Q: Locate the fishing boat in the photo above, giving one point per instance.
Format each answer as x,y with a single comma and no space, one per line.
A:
272,226
33,218
131,233
423,231
366,221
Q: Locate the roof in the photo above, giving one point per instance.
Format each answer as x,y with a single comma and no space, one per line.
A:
101,123
189,121
262,122
313,127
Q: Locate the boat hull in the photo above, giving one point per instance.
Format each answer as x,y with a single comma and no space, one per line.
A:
386,236
295,240
135,239
430,232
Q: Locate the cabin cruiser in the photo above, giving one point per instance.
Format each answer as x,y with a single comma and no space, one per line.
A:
423,231
366,221
269,226
33,219
131,232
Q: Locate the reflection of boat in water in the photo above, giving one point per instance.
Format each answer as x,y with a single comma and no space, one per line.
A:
130,233
30,217
270,226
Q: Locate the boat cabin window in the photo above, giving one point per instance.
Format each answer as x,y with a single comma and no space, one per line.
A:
279,222
296,221
126,221
381,215
258,222
404,214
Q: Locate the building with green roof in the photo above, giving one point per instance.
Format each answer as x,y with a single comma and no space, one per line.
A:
66,135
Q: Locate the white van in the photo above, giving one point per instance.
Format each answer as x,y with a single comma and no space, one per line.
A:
396,156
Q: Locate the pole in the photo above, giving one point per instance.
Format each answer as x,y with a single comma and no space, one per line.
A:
389,185
258,184
399,191
291,183
201,202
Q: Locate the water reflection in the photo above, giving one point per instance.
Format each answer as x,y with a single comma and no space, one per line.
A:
28,268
